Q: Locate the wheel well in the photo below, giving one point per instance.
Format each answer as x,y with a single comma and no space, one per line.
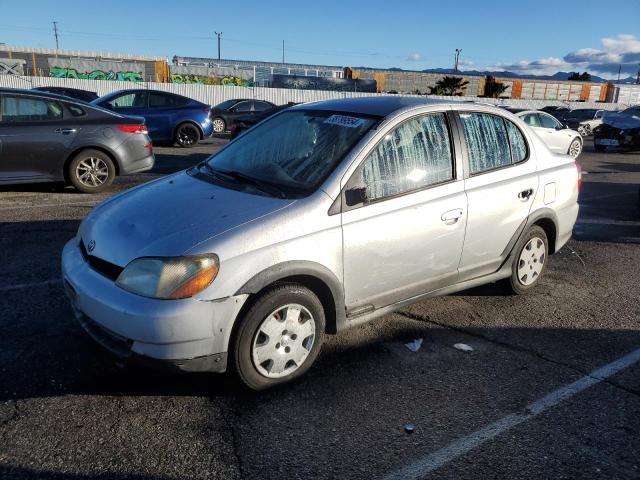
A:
317,286
65,170
549,228
192,123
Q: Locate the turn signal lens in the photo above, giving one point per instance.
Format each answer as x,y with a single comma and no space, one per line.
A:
195,284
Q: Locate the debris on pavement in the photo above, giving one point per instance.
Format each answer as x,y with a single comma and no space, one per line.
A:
409,428
415,345
463,347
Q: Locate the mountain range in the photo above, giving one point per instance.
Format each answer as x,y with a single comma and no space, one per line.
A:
507,74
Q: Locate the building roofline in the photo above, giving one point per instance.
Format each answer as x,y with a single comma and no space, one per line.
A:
81,53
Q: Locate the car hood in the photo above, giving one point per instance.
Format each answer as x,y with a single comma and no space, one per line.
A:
168,217
621,120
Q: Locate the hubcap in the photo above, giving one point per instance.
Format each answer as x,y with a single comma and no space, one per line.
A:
531,261
218,125
283,341
188,135
575,148
92,172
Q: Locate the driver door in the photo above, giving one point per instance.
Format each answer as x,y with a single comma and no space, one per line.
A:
403,216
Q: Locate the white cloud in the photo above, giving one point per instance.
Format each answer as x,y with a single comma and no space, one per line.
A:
414,57
619,51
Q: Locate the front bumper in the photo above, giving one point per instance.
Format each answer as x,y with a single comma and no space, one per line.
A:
188,335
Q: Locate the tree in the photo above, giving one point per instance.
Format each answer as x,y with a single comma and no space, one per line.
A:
581,77
493,88
451,86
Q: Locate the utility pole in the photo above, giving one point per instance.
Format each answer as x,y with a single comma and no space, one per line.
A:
455,67
219,34
282,51
619,70
55,33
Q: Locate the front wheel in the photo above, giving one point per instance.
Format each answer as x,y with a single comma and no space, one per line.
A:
187,135
91,171
530,261
219,125
279,337
575,148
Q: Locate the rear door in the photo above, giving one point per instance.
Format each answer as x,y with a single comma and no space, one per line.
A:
403,216
36,137
500,185
159,115
553,133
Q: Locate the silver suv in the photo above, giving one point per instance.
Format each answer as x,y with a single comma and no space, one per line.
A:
322,217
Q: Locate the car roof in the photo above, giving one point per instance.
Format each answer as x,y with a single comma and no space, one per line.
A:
381,106
39,93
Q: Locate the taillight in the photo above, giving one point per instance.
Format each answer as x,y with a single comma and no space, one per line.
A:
579,169
134,128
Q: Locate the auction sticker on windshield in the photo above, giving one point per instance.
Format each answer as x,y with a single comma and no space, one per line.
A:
344,121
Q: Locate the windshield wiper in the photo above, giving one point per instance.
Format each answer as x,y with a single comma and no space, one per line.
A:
264,186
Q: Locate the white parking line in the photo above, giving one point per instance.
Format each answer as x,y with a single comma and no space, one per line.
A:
438,459
30,285
46,205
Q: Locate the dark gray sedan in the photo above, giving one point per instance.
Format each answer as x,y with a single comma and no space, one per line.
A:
48,138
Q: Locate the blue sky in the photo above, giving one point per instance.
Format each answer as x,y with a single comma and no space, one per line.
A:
518,36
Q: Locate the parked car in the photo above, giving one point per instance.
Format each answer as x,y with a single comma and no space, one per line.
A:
582,119
558,137
243,123
48,138
169,117
555,110
322,217
226,112
77,93
620,131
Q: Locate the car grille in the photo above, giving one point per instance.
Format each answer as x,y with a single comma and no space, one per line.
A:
101,266
608,131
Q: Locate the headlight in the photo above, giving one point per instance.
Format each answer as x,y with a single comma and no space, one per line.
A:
169,277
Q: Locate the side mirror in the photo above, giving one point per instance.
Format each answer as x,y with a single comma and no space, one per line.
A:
355,196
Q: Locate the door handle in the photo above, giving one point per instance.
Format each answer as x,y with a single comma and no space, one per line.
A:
525,194
452,216
65,131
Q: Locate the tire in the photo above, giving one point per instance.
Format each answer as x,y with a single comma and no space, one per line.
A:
91,171
219,125
527,270
575,148
187,135
286,310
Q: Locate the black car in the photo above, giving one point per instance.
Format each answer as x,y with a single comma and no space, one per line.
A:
619,131
78,94
573,118
244,122
226,112
46,137
555,110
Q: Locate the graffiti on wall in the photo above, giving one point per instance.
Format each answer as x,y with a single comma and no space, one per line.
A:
96,69
229,81
323,83
10,66
65,72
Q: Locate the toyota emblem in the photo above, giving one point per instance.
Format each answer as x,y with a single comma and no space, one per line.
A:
91,246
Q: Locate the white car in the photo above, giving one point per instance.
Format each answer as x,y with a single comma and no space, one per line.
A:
558,137
586,126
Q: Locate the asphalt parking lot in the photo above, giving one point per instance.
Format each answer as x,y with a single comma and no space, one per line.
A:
523,404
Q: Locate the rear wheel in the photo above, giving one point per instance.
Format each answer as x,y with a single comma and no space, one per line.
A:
575,148
91,171
279,337
187,135
530,261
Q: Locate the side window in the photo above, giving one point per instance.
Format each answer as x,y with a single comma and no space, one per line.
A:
27,109
75,110
487,141
547,121
129,100
261,106
517,142
531,119
161,100
242,107
416,154
598,114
